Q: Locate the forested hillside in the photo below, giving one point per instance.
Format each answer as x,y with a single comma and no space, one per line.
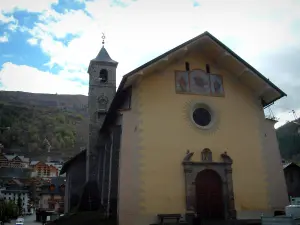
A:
42,124
39,123
289,141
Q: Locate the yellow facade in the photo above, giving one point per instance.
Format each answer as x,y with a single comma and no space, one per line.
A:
166,133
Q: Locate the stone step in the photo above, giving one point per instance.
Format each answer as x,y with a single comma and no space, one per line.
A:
232,222
217,222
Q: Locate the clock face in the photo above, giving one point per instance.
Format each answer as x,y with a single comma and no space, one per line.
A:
94,69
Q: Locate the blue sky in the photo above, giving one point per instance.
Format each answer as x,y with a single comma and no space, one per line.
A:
46,45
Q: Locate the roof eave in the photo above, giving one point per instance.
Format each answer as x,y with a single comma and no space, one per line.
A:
112,62
206,33
246,64
69,162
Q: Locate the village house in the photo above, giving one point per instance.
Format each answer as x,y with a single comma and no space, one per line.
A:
42,169
51,195
75,177
184,133
13,161
15,194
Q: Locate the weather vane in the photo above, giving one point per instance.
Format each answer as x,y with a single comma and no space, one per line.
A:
103,38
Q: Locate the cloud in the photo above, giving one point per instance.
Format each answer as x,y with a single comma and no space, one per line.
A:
29,79
261,32
13,27
6,19
263,27
33,41
286,116
4,38
282,65
30,6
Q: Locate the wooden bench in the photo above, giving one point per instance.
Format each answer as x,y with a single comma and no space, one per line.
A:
162,217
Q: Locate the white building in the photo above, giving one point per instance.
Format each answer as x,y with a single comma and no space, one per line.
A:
13,195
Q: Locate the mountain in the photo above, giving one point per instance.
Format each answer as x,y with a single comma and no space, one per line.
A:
43,125
289,140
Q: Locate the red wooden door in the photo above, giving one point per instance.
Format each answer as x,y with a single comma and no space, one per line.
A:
209,195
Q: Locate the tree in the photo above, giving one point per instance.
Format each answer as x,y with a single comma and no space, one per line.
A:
39,129
33,195
19,204
8,210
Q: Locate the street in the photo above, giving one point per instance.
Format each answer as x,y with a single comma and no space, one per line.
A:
29,220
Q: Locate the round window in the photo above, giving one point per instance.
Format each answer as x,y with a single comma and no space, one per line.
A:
202,117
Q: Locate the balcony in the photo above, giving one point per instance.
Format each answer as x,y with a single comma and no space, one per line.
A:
55,200
52,201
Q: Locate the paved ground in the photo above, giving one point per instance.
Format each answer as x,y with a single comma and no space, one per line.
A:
29,220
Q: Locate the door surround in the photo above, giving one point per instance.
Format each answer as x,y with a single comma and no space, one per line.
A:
223,168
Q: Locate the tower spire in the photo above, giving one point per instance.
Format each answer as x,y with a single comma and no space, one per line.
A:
103,39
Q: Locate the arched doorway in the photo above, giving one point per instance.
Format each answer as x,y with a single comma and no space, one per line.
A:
209,195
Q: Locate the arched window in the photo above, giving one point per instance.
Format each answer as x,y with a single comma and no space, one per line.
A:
103,76
206,155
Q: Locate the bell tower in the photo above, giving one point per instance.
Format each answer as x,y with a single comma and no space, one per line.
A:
102,89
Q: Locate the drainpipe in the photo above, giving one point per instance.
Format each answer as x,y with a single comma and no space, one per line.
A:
109,178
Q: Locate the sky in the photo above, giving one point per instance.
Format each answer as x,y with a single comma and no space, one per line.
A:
46,45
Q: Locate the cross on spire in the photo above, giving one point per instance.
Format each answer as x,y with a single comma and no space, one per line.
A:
103,38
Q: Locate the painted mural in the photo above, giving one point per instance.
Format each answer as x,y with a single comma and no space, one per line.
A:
182,81
216,84
199,82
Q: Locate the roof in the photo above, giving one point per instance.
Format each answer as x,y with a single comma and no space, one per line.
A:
15,172
289,164
104,57
70,161
54,165
33,163
57,181
15,191
18,182
13,156
116,101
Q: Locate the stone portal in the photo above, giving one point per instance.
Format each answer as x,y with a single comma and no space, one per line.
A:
214,172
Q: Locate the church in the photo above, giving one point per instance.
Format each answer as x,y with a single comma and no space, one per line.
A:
183,134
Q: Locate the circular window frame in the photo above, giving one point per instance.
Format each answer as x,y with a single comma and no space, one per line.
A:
212,113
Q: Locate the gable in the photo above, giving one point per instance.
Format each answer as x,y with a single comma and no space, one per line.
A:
17,159
40,164
2,157
220,56
53,168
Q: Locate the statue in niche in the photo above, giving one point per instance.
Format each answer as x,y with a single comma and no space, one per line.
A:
226,157
102,102
188,156
206,155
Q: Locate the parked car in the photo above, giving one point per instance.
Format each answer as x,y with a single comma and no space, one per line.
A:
20,221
